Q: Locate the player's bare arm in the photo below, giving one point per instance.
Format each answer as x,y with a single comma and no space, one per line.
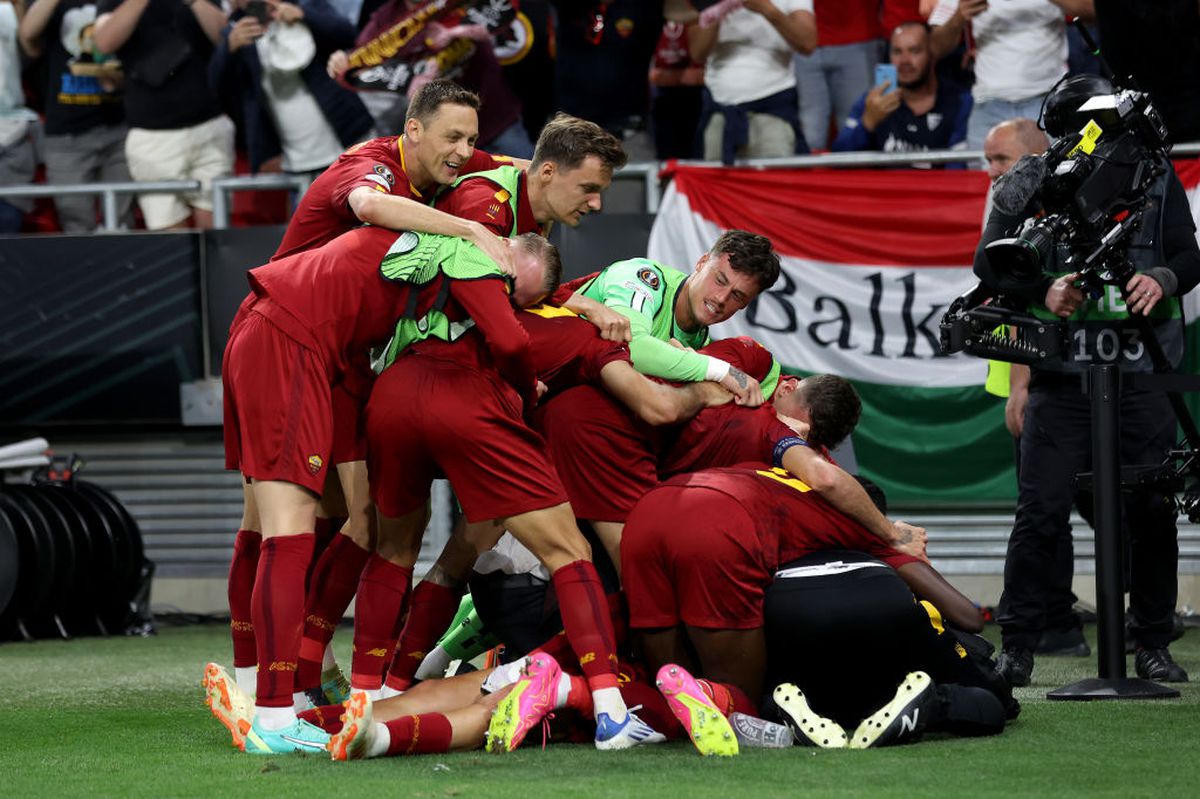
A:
401,213
656,403
841,490
928,584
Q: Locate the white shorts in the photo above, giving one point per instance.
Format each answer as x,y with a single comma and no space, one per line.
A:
201,152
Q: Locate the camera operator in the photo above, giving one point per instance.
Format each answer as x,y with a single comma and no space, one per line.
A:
1056,437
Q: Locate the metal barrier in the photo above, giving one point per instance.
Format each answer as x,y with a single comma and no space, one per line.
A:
646,171
108,193
223,187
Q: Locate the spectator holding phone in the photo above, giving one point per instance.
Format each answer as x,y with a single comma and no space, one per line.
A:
176,128
909,109
270,63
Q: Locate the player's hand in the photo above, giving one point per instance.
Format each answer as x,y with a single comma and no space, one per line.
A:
494,247
745,389
337,64
612,325
1143,293
879,105
244,32
910,540
1063,298
540,390
438,36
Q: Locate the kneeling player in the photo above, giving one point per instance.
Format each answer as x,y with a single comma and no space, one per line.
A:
843,630
699,551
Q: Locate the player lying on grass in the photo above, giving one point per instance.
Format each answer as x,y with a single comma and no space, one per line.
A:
460,712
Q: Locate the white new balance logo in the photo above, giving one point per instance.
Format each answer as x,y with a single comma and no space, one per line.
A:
909,724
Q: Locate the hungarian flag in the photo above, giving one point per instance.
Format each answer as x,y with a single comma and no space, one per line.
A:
871,261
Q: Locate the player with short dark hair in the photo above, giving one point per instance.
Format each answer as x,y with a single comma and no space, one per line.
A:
300,331
664,304
391,181
833,409
509,201
387,182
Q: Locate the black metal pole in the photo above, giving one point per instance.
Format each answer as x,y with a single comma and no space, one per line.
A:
1104,390
1106,482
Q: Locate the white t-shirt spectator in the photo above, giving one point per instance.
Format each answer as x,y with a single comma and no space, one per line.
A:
307,139
751,60
1021,47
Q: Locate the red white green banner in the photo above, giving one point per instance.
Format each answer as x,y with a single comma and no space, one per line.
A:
871,261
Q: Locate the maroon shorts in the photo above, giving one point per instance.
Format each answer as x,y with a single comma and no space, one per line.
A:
429,418
692,555
278,411
604,455
349,429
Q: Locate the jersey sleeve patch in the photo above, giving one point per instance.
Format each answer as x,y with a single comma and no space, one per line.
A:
649,277
385,173
782,446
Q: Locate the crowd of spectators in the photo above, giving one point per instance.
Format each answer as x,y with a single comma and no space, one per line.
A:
196,89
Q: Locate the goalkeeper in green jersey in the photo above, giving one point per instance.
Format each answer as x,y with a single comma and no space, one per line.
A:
667,308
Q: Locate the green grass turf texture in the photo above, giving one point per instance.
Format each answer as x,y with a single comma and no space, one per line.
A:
125,717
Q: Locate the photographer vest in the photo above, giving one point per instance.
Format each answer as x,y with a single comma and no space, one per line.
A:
1101,330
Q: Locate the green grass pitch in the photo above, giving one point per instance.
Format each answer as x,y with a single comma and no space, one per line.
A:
125,717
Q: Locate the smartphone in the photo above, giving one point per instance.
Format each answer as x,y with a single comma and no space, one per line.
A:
259,10
886,72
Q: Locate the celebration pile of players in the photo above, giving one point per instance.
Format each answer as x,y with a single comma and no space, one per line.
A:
649,519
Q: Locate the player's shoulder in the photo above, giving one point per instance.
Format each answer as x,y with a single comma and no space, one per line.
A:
641,273
384,148
375,160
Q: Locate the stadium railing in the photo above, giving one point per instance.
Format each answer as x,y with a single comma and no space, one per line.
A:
646,171
108,193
